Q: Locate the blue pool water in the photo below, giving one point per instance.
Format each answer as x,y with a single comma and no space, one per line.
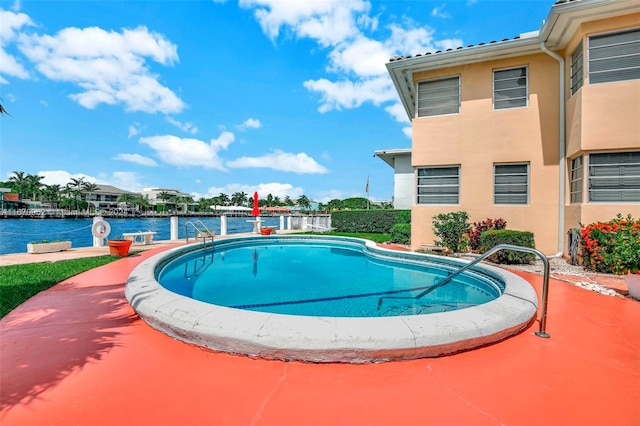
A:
321,278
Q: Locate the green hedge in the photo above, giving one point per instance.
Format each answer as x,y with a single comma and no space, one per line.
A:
492,238
375,221
401,233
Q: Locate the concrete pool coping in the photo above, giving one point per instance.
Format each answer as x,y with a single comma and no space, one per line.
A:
329,339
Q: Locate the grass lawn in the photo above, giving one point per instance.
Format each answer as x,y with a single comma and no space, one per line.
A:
20,282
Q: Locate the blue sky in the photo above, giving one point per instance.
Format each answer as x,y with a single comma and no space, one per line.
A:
280,97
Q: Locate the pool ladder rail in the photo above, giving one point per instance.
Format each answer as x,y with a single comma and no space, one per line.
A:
545,281
200,231
200,264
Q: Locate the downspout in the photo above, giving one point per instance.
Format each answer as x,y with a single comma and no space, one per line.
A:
563,152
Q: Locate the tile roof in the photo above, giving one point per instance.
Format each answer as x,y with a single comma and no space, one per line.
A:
399,58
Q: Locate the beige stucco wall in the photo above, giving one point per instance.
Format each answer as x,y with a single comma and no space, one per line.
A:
479,137
601,117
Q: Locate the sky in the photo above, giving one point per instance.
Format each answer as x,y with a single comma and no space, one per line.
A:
287,98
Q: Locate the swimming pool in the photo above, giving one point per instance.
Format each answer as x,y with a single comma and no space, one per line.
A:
300,317
294,277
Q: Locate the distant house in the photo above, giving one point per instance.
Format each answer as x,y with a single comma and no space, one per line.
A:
154,196
105,197
542,130
403,175
11,201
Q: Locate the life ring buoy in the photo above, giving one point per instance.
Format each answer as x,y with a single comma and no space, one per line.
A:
101,229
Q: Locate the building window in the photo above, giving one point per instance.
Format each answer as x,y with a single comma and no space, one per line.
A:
576,174
510,88
439,185
614,177
439,97
511,183
577,68
614,57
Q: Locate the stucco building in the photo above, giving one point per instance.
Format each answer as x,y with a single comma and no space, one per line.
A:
542,130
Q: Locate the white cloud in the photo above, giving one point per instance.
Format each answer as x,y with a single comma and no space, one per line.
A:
282,161
11,24
186,127
44,103
276,189
188,152
108,66
62,177
250,123
328,21
439,12
356,59
397,111
134,130
129,181
362,56
137,159
351,94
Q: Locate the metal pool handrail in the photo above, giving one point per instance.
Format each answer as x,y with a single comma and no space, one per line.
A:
545,281
203,233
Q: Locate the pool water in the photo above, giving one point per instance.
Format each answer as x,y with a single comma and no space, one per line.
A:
327,279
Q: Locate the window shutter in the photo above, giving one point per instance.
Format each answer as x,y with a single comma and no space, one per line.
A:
614,57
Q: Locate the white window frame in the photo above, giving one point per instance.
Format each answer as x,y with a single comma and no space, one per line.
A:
576,179
493,91
421,199
601,185
497,185
435,80
577,68
591,61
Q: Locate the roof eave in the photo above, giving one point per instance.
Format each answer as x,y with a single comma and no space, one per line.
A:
389,155
565,18
402,70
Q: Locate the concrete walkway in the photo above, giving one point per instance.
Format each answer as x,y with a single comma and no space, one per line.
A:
78,354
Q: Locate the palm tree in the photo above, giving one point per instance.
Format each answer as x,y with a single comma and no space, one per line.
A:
34,185
223,198
51,193
303,202
269,200
75,188
288,201
89,188
239,198
204,204
19,182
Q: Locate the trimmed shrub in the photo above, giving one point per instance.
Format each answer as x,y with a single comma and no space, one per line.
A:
492,238
401,233
451,229
612,247
362,221
404,216
479,227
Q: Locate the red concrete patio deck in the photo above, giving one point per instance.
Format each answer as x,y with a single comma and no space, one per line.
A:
77,354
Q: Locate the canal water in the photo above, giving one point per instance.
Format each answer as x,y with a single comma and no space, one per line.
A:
15,234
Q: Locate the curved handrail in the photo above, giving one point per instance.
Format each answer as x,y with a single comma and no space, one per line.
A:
545,281
203,233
